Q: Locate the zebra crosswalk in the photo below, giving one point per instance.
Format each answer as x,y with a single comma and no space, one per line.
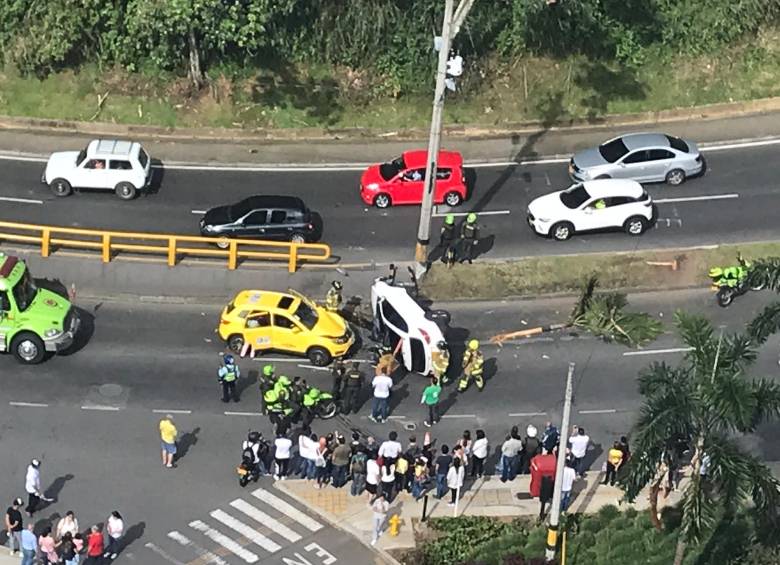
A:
247,531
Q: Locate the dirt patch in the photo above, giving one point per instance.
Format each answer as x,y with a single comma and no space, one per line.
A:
660,269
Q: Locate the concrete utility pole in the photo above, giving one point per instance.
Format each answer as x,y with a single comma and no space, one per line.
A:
450,29
555,511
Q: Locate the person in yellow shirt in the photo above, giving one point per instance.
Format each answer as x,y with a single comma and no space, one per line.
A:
614,459
168,433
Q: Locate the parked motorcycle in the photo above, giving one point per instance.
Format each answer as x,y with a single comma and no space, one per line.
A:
247,470
325,407
730,282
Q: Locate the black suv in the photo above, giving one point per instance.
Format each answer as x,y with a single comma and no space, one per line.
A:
262,217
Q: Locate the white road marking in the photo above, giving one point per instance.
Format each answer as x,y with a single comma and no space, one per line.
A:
156,411
484,213
329,168
102,408
199,212
289,510
696,198
249,533
526,414
22,158
547,179
224,541
657,351
228,413
163,554
487,164
21,200
606,411
313,368
459,416
397,417
29,404
292,360
716,146
266,520
204,554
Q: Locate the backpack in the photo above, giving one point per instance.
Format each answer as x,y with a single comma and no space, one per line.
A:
248,454
359,463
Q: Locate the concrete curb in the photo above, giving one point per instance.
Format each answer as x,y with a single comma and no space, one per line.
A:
469,132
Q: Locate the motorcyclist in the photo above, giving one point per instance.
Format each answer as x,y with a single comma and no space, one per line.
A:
440,361
473,362
333,298
254,444
295,402
352,386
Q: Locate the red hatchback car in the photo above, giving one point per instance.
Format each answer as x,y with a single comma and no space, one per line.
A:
401,180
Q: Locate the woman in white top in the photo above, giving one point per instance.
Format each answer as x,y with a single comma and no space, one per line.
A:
282,445
455,478
115,528
379,506
479,452
67,525
372,477
388,480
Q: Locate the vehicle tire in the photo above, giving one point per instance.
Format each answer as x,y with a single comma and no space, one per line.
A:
60,187
28,348
452,199
635,225
602,177
297,238
125,191
562,231
327,410
235,343
382,201
223,243
675,177
243,481
726,296
319,356
759,286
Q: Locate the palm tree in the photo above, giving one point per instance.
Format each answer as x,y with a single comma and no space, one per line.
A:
707,401
766,273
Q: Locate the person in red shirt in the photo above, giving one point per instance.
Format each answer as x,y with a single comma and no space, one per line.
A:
94,546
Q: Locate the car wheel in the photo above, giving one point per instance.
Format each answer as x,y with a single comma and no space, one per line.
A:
562,231
327,410
635,225
60,187
297,238
125,191
675,177
223,243
452,198
319,356
382,201
235,343
28,348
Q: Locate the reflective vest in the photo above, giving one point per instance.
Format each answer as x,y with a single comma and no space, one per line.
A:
310,400
472,363
229,373
440,361
272,401
332,299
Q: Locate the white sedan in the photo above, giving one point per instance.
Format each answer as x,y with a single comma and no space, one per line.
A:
592,205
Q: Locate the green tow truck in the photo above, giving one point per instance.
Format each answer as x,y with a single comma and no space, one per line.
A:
33,321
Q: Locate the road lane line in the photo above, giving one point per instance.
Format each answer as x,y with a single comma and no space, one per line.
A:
22,158
696,198
157,411
287,509
21,200
484,213
313,368
224,541
267,521
263,359
228,413
29,404
163,554
526,414
198,212
265,169
605,411
204,554
454,416
708,148
657,351
101,408
249,533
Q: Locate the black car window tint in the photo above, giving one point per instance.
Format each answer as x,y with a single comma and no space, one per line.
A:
278,216
393,317
256,218
677,143
575,196
119,165
660,154
283,322
636,157
285,302
443,174
613,150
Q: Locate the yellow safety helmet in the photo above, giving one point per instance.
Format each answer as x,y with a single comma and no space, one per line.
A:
473,345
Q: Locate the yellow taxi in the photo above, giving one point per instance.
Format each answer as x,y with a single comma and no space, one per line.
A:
284,321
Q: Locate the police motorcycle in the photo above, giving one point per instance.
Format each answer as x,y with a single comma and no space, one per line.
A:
323,405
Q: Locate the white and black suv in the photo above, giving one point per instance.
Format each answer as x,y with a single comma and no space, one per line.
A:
105,164
592,205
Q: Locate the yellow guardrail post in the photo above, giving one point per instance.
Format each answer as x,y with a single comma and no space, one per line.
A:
292,265
233,255
106,249
172,252
45,242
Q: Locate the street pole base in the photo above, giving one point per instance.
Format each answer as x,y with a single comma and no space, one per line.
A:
421,253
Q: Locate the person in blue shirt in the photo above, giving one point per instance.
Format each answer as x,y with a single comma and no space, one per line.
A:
29,546
227,375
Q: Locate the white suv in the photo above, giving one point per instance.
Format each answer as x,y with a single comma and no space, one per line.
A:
592,205
108,164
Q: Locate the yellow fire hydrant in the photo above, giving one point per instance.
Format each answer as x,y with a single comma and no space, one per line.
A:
395,523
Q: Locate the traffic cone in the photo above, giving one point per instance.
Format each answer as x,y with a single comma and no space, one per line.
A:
427,439
245,349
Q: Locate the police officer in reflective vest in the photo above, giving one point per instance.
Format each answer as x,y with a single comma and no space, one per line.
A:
469,236
227,375
333,298
472,367
337,371
309,402
354,382
276,402
440,361
266,382
447,240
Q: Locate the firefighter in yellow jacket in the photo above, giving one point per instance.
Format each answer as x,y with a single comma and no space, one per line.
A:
333,298
440,361
473,362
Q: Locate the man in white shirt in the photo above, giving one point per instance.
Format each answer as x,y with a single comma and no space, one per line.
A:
282,445
569,474
579,442
390,449
32,484
381,406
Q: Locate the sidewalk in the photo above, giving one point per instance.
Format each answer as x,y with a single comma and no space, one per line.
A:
485,497
6,559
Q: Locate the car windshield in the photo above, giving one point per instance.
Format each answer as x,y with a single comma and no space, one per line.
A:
575,196
24,292
613,150
143,158
81,156
239,210
391,169
677,143
306,315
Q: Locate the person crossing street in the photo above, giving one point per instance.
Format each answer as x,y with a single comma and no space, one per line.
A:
430,397
333,298
469,237
473,362
440,361
227,376
352,387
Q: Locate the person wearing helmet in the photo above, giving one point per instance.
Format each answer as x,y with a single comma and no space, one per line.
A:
473,362
338,372
227,375
440,361
310,400
254,443
352,386
266,381
469,236
447,240
333,298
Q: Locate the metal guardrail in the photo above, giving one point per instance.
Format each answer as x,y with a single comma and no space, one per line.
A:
173,247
